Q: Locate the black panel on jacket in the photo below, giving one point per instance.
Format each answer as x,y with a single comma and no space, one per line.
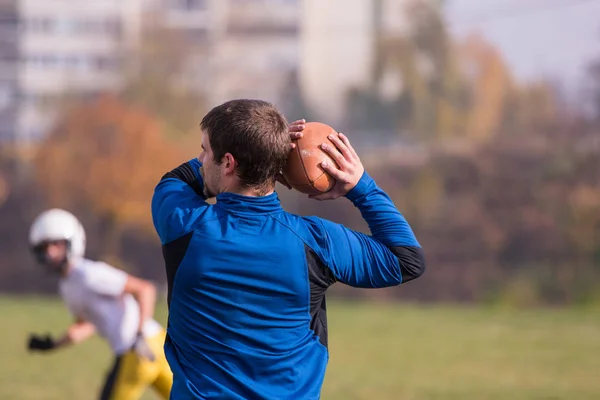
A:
412,261
320,277
186,173
173,253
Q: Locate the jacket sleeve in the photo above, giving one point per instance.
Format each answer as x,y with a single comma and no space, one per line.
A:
178,195
391,255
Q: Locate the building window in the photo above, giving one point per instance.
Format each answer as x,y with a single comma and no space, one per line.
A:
6,96
8,53
282,62
40,25
113,27
9,20
107,63
189,5
266,1
73,62
67,26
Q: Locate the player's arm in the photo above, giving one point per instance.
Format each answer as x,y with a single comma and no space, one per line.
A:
78,332
144,293
179,192
391,255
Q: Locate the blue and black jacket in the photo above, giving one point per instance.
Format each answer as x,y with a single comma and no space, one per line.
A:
247,282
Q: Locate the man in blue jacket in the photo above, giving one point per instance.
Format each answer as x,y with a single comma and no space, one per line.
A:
246,279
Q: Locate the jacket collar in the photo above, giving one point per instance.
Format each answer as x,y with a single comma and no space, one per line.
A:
249,204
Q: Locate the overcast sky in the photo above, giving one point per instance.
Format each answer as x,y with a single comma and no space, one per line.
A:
549,37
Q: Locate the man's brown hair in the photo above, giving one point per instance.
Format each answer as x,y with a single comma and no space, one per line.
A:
256,133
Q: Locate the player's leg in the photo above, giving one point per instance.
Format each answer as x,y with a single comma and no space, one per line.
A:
164,379
131,377
111,377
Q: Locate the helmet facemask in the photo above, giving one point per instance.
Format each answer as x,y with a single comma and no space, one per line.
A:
55,263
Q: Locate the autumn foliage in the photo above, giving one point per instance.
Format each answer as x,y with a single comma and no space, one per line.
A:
107,156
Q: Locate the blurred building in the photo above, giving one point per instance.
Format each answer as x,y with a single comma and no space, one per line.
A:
9,58
338,49
286,51
51,47
258,48
238,48
244,48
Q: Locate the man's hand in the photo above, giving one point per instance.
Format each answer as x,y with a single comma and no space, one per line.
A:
295,130
142,349
41,343
347,172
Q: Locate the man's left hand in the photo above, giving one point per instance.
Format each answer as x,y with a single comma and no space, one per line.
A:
295,130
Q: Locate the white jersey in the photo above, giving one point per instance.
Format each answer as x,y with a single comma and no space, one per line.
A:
93,291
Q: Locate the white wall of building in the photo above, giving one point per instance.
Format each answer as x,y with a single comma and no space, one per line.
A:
250,46
337,48
335,53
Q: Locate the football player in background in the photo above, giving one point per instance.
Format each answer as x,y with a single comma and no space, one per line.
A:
106,300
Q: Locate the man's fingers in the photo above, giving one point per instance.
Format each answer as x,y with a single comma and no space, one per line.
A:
296,135
330,149
345,140
332,169
297,126
341,146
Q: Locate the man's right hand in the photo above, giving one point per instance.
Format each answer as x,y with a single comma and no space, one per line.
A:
347,169
41,343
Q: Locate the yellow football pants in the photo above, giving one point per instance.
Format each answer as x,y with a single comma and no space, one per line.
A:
131,374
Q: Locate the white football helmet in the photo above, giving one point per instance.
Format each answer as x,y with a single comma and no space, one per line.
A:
57,224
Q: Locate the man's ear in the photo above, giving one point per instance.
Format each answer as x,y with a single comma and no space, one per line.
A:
229,163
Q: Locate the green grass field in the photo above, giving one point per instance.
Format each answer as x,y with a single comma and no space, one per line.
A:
377,352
